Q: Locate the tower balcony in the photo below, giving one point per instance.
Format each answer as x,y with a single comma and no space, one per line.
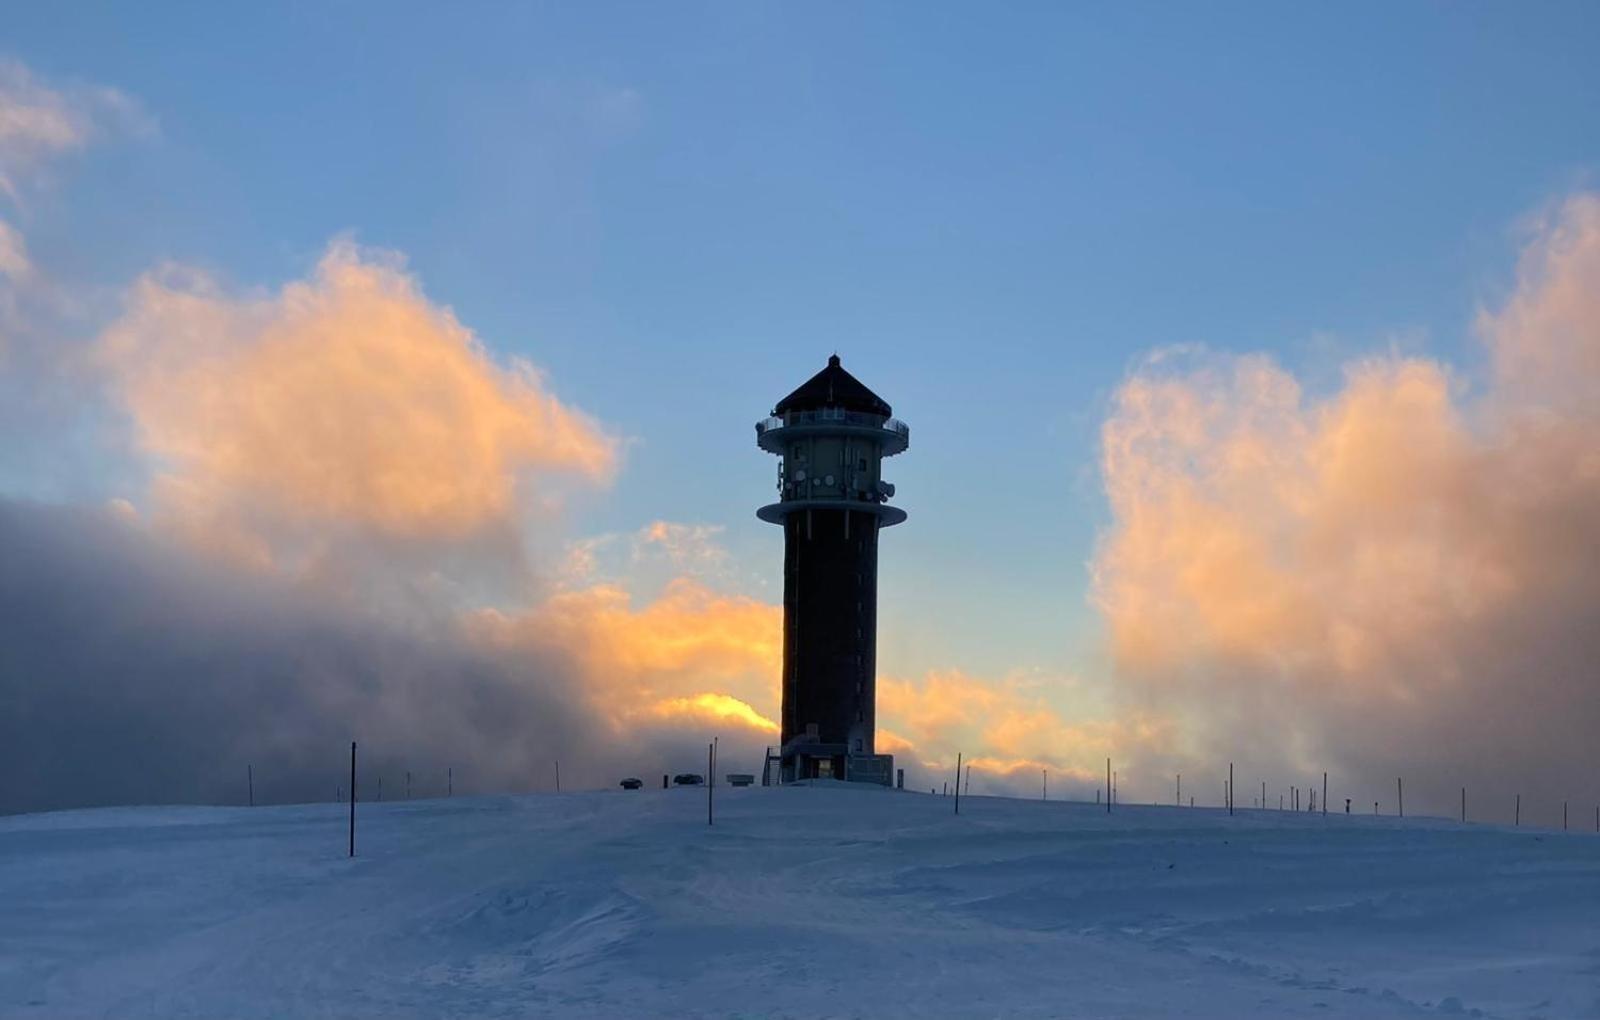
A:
891,435
777,513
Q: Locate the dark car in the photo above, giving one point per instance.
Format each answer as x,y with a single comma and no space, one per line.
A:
631,784
688,779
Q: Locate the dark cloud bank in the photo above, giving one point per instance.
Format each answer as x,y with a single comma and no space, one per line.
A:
132,673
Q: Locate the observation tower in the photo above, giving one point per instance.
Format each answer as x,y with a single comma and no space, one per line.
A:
831,436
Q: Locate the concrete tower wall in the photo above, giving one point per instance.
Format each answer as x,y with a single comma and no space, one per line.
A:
830,603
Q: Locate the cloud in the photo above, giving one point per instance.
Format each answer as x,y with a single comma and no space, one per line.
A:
135,670
41,123
1007,729
1396,579
690,548
691,651
132,671
347,402
14,261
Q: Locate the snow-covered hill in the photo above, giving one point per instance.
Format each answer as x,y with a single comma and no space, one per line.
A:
801,902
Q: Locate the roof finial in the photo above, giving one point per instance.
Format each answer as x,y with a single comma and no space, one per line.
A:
833,361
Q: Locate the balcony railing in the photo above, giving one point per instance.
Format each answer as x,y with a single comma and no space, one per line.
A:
834,416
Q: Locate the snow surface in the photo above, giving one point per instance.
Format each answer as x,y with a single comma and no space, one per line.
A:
814,901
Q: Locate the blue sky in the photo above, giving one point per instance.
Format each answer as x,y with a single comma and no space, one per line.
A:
679,211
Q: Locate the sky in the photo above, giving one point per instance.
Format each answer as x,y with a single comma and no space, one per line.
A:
1248,356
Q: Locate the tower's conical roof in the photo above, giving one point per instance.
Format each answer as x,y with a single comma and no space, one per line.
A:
834,387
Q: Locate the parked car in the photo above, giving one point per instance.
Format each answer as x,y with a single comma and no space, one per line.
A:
631,783
688,779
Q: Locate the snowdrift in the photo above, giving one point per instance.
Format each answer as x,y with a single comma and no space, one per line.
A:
824,901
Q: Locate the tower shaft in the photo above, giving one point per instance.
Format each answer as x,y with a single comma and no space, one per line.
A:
830,613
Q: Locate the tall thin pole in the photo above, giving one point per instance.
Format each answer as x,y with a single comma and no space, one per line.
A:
380,789
1230,787
250,778
408,784
1263,795
958,782
1400,795
1563,816
1518,818
1108,786
711,787
558,777
1324,795
352,798
1463,804
1178,798
1044,784
450,781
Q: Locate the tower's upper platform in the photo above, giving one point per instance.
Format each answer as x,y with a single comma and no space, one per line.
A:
833,387
833,402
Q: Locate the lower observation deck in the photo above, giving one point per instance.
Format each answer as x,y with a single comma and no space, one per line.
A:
777,513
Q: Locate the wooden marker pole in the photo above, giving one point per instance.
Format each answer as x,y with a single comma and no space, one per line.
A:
711,787
1324,795
1178,797
1400,795
1517,819
1230,787
352,798
250,780
1463,804
1108,786
1044,784
450,782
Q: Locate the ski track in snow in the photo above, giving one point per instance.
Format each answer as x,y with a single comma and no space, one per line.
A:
824,901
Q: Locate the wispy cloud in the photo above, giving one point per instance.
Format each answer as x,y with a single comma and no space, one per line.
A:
40,123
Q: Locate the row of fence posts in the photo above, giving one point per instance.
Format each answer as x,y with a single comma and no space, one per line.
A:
965,775
1316,803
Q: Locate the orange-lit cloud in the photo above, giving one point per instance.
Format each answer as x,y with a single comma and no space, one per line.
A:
690,652
714,709
347,400
1004,728
1400,575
